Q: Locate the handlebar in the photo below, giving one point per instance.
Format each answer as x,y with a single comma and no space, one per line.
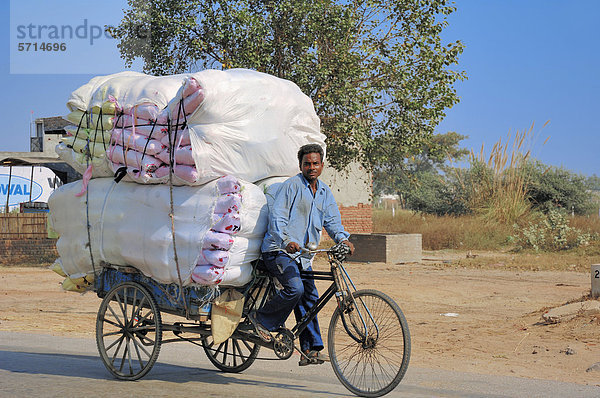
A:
339,251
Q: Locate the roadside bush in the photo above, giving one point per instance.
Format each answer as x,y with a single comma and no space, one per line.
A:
551,232
550,187
428,192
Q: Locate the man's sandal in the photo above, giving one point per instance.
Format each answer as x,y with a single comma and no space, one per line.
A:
313,357
261,331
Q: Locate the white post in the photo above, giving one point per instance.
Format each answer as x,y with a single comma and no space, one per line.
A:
595,280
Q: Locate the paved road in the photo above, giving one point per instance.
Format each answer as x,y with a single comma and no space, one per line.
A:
49,366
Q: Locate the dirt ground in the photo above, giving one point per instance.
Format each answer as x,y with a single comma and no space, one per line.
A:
498,328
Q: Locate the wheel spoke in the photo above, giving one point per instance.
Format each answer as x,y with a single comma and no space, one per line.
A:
237,344
137,351
230,356
119,340
129,355
123,306
121,324
375,366
218,351
225,352
124,355
141,346
247,345
128,340
133,307
112,323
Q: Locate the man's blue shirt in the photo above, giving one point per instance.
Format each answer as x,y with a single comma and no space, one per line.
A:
295,215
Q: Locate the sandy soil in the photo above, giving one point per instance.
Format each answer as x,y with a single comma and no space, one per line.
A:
498,329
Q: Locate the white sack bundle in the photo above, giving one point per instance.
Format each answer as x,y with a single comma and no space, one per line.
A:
130,225
212,123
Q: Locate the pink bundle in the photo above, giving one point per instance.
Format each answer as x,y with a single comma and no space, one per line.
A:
217,241
228,184
181,155
131,158
228,203
214,256
176,140
130,140
208,274
147,138
186,173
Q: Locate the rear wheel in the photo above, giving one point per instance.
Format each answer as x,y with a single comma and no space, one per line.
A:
369,344
232,355
128,331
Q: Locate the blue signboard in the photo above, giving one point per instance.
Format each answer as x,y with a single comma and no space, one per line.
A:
20,189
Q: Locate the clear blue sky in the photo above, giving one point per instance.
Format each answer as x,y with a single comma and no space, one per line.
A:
526,61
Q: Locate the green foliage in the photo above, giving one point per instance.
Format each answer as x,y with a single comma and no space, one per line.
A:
593,182
420,180
551,232
377,71
551,187
428,192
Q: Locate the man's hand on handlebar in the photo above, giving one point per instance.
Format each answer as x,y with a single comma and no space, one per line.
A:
350,246
292,247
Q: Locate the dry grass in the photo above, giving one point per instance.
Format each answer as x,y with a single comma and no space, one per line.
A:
497,182
447,232
586,223
578,260
465,232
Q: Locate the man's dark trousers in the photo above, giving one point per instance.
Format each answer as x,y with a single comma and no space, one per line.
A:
297,294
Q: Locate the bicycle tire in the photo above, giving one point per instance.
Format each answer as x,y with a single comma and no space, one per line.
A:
377,365
128,314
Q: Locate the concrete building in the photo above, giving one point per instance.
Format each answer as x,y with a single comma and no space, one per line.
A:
45,135
352,190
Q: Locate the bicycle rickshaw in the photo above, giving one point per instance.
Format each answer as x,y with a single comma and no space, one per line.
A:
368,338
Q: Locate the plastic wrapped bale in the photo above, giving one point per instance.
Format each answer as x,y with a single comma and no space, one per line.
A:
130,225
212,123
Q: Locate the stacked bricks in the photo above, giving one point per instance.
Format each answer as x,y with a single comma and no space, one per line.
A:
357,219
21,251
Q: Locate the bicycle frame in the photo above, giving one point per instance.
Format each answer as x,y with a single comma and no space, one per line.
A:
342,287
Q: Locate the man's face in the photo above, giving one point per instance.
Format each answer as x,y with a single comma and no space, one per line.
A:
311,166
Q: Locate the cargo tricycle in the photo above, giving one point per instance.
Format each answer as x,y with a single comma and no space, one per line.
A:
368,339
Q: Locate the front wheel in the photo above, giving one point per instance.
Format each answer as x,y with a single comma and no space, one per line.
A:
369,344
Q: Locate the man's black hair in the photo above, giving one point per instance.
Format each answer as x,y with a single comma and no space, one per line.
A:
310,148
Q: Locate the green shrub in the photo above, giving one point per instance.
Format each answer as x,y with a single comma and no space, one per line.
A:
551,187
428,192
551,232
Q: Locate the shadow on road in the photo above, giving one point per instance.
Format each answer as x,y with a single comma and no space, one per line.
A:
91,367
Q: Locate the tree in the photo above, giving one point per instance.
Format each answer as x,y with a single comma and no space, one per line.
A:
552,187
593,182
377,71
432,159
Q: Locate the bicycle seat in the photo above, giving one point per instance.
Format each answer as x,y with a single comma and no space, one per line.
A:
259,265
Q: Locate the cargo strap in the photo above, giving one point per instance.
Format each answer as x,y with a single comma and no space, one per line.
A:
172,212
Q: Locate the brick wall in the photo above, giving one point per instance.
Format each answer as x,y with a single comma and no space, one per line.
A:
19,251
357,219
